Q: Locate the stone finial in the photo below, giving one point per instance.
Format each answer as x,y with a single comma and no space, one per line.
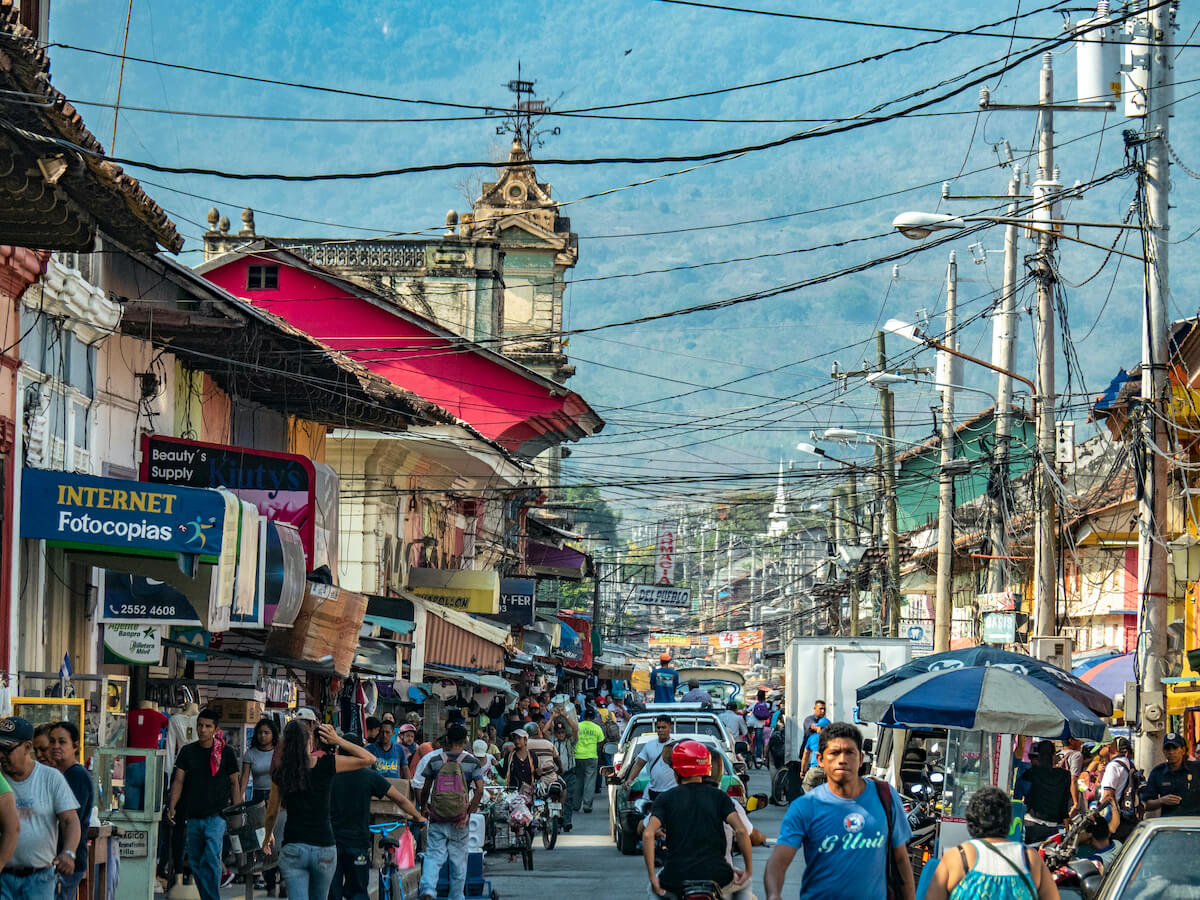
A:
247,223
223,225
213,215
451,221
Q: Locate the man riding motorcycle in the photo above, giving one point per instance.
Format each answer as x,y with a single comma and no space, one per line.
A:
694,815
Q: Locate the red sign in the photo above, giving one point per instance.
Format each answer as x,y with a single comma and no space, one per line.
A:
664,568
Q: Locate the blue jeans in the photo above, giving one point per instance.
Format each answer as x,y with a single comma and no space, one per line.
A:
68,885
38,886
307,870
202,848
445,841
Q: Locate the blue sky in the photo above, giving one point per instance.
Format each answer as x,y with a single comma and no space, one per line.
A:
585,55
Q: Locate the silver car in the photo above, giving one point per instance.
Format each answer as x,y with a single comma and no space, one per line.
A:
1159,861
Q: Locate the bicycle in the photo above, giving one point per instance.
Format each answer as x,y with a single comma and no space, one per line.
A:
390,887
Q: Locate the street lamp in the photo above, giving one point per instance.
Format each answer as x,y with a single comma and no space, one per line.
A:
918,336
919,225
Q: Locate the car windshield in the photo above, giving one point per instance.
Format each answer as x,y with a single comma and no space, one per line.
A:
679,726
1166,868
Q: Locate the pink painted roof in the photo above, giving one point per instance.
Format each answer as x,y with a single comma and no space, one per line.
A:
506,402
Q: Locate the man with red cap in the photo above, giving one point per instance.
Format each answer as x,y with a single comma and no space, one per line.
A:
664,680
694,816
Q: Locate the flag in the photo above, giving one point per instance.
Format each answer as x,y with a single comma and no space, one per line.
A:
64,673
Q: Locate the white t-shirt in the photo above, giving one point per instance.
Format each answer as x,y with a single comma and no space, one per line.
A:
662,776
1116,775
418,779
745,820
40,798
734,723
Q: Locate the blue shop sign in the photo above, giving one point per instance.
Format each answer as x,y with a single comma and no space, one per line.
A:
130,517
516,601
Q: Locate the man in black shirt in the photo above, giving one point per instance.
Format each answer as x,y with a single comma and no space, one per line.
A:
206,781
1174,786
694,815
1047,794
350,814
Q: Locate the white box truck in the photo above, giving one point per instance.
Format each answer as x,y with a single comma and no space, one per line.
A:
833,669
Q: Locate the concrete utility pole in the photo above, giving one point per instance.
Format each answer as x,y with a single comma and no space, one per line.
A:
1046,192
943,610
891,590
852,515
1152,510
1004,342
838,518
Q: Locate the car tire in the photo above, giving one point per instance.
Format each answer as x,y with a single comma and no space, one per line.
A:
627,843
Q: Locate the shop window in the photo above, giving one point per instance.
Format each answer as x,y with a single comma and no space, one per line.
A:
262,278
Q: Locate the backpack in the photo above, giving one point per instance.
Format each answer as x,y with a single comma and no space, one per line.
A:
612,731
762,711
448,794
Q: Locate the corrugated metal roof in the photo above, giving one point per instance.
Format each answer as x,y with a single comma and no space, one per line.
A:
447,644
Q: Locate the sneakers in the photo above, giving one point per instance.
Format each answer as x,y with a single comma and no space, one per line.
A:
227,879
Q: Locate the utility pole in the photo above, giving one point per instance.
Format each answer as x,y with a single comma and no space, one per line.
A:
943,609
891,586
852,516
1152,510
1004,340
889,613
1046,192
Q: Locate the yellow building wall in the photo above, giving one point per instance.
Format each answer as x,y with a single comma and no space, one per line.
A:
307,438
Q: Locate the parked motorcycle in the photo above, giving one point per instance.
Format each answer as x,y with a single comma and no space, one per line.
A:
923,821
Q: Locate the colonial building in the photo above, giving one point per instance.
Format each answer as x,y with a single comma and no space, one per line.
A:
495,276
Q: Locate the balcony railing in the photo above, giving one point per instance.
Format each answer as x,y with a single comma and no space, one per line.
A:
362,254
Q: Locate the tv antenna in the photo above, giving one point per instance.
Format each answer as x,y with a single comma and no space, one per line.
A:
522,120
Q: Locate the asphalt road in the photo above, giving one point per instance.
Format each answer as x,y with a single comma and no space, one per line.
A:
585,865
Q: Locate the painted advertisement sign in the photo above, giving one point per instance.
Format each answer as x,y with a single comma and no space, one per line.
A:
127,517
654,595
138,644
664,566
282,486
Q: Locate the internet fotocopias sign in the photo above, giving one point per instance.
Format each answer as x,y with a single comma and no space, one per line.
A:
128,516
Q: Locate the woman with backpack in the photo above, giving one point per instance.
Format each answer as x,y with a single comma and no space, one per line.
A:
301,785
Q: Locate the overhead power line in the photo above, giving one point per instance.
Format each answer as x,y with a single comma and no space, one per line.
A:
713,156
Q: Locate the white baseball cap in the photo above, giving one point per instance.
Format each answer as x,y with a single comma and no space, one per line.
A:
304,713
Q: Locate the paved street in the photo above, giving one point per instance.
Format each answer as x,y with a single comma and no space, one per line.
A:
586,865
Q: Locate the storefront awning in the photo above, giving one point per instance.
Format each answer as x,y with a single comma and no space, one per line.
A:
581,629
557,562
460,641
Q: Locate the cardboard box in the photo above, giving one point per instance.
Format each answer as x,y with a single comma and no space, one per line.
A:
234,712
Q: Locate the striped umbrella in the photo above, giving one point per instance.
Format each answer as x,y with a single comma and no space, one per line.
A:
1109,677
981,698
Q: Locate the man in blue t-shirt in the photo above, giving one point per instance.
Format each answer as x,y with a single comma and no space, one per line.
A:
389,756
664,680
812,744
842,828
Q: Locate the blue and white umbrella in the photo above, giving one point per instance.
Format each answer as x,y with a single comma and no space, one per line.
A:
981,698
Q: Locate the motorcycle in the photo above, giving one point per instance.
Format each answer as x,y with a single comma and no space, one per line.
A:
700,890
523,824
643,807
548,810
923,821
1073,877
